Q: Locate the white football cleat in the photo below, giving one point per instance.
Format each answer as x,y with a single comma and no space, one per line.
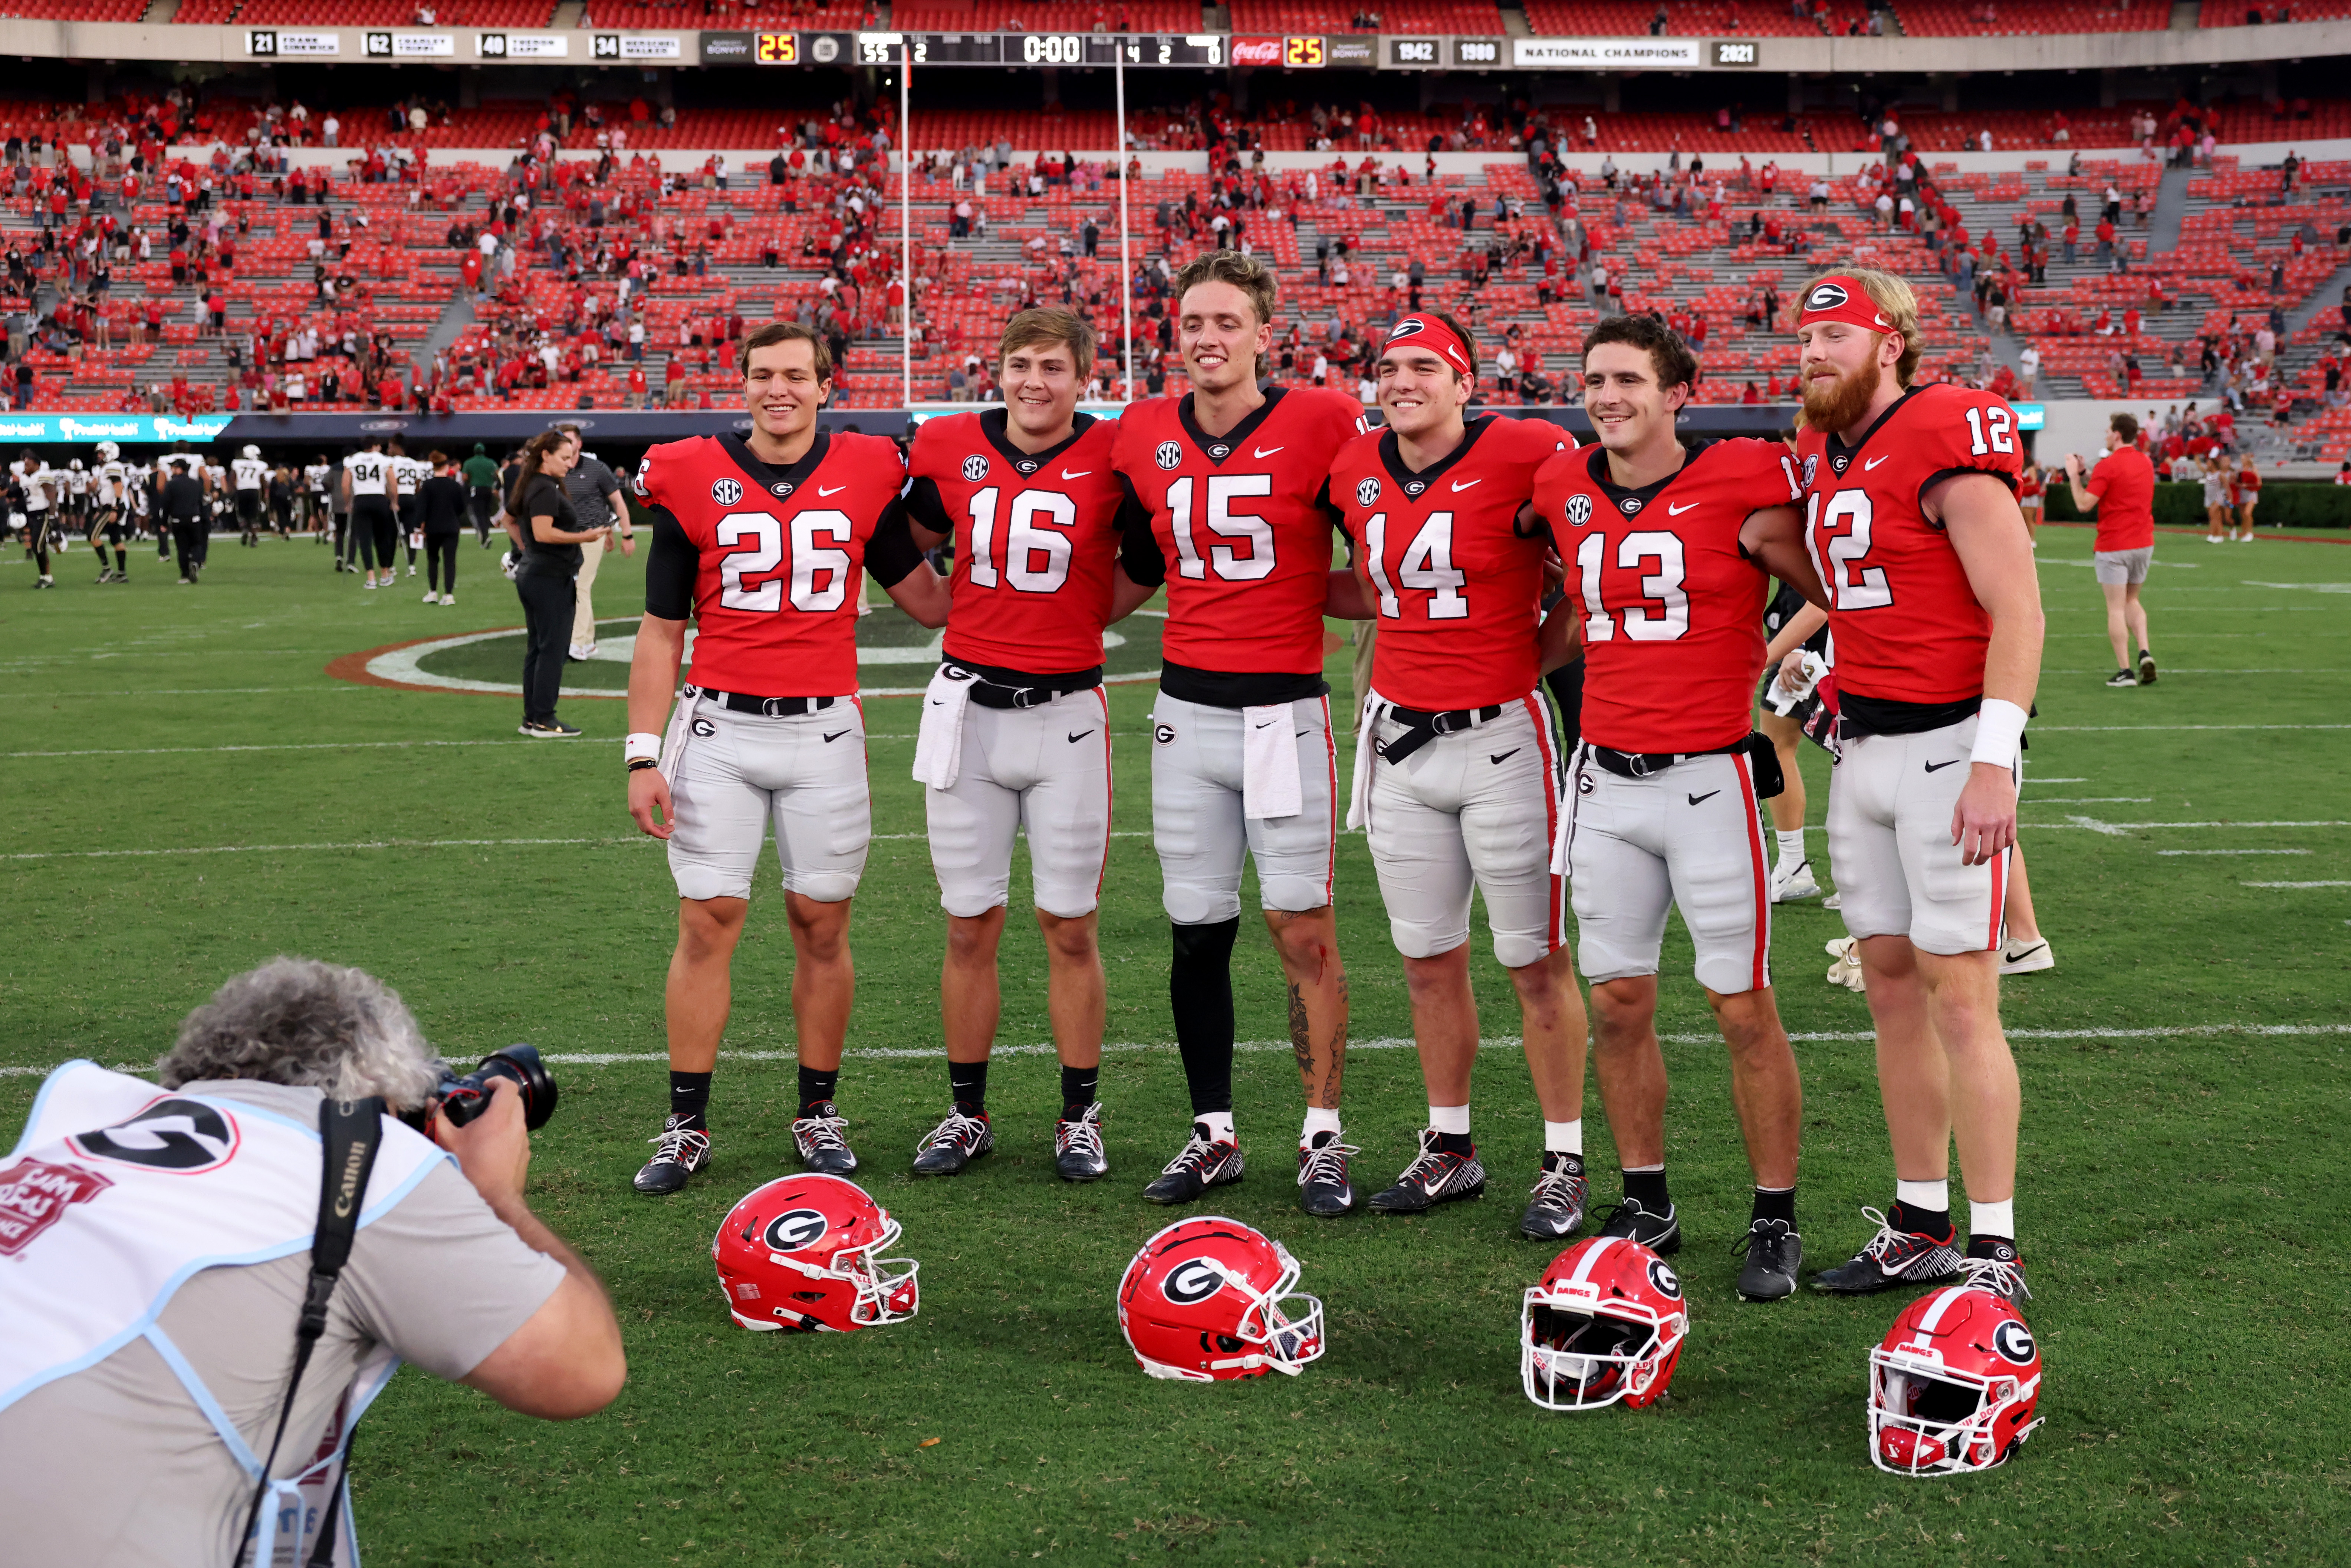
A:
1793,881
1834,900
2023,956
1846,971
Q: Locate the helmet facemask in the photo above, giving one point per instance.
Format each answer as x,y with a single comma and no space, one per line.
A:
1575,1356
1930,1419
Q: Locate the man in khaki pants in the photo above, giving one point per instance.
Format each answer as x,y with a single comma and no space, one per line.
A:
595,493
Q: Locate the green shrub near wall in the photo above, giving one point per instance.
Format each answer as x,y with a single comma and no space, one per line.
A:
2286,504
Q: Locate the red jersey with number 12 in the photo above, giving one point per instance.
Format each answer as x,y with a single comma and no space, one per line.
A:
1242,522
1673,608
782,553
1906,623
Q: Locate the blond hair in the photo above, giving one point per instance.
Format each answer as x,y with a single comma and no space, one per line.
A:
1044,325
1246,273
1895,300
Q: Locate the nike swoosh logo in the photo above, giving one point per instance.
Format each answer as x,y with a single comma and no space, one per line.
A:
836,490
1465,483
1674,511
1505,757
1937,767
836,735
1078,474
1266,451
1701,800
1873,462
1080,735
1269,724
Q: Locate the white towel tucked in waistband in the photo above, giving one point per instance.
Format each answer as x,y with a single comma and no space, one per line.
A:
1359,789
1566,828
938,741
1269,781
673,737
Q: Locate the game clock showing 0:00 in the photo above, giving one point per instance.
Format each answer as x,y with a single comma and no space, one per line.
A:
1007,48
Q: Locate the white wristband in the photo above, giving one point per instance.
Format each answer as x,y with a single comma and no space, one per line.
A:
2000,726
642,746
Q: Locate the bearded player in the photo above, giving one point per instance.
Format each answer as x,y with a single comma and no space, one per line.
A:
1233,486
1459,787
761,540
1911,518
1669,555
1016,727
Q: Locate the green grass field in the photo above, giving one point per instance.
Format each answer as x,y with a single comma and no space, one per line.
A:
189,792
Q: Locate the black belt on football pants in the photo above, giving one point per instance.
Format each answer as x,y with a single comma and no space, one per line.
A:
1421,727
766,707
1762,758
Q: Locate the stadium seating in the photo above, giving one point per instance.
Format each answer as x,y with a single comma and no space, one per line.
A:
77,10
1288,16
2244,12
370,13
1684,19
1990,18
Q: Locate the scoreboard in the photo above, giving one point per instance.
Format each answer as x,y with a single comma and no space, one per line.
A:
1142,49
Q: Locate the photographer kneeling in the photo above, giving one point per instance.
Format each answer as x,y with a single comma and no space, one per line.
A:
157,1249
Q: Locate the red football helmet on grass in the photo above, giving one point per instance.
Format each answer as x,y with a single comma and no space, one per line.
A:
1605,1323
804,1252
1209,1299
1952,1385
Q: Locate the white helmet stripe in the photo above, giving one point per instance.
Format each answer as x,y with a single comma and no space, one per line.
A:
1582,1275
1931,1321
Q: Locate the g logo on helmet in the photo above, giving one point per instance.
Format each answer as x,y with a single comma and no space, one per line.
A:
1188,1284
726,492
1168,456
794,1230
1579,510
1668,1283
2014,1341
1367,494
1827,296
975,467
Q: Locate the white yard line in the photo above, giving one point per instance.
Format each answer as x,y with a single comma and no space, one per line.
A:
2232,852
2092,801
2126,729
2297,884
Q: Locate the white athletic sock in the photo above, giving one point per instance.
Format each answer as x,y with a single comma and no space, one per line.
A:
1452,1119
1318,1120
1564,1137
1218,1123
1992,1218
1792,845
1934,1196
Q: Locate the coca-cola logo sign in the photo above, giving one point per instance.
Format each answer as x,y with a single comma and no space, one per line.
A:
1256,51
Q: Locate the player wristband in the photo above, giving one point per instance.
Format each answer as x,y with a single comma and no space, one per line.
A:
642,746
2000,726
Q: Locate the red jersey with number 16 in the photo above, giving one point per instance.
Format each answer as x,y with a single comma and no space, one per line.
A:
1243,524
1673,608
1906,623
782,551
1457,590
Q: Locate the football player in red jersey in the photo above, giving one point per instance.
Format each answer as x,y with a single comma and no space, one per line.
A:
762,541
1016,727
1232,481
1457,768
1911,518
1670,554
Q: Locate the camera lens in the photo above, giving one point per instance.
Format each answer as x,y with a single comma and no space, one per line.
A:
462,1099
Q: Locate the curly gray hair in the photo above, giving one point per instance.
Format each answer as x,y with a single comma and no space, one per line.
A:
299,1021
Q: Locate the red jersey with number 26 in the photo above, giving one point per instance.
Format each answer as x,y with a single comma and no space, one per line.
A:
1673,608
1907,624
1036,538
1457,592
782,553
1242,524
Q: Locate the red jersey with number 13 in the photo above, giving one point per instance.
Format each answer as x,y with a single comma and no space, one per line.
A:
1243,523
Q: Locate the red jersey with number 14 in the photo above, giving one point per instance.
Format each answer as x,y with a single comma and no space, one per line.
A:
1456,590
782,552
1906,623
1243,525
1673,608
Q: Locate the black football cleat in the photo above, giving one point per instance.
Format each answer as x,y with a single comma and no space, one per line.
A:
1323,1189
1628,1221
1202,1163
819,1134
1774,1253
1892,1259
954,1144
1077,1153
1999,1269
682,1150
1555,1207
1436,1176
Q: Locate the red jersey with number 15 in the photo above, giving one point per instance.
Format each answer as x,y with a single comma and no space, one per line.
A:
782,552
1457,590
1243,524
1906,623
1673,608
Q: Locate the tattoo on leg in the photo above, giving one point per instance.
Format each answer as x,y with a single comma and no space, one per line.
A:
1302,1034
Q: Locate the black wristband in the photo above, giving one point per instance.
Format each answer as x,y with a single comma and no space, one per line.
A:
637,762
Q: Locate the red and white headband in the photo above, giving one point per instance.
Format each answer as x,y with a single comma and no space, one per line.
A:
1428,332
1841,298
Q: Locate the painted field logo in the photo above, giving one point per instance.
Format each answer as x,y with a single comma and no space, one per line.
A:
34,1194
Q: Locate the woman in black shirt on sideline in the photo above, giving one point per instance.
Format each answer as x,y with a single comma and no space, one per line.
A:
549,531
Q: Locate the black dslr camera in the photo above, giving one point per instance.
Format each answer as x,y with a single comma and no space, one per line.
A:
463,1098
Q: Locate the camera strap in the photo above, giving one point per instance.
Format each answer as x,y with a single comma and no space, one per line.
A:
351,1132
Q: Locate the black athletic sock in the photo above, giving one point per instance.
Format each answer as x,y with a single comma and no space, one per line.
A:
817,1085
1936,1222
967,1081
1990,1246
1770,1205
689,1096
1456,1143
1648,1189
1200,992
1081,1087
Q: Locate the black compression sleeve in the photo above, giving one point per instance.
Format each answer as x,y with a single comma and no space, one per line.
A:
891,552
671,569
1138,553
1331,510
925,510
